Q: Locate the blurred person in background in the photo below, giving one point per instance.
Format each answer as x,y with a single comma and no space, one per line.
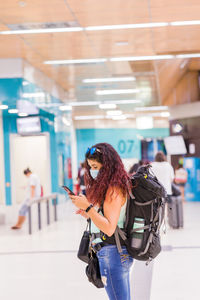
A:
80,178
33,190
181,179
135,167
163,171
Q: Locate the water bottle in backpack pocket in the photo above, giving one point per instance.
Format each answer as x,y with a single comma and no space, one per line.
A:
137,233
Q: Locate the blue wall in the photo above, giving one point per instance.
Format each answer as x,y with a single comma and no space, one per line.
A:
126,141
11,90
9,126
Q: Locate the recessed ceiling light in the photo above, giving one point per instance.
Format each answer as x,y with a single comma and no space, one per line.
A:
114,112
109,79
90,117
2,106
165,114
107,106
116,92
125,101
13,111
65,107
177,128
33,95
22,114
84,103
25,83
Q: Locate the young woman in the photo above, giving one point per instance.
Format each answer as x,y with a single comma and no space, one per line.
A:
107,184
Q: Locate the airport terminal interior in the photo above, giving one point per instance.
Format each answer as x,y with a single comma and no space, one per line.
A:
76,73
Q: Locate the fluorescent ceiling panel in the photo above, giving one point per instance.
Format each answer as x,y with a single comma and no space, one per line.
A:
114,112
13,111
111,79
122,117
65,107
107,106
150,108
122,58
124,101
189,55
91,117
33,95
84,103
116,92
126,26
185,23
2,106
75,61
103,27
138,58
45,30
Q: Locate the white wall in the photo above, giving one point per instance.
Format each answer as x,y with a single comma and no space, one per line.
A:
182,111
11,68
32,152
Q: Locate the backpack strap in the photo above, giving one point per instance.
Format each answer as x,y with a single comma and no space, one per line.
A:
118,244
141,228
119,233
143,204
147,245
149,241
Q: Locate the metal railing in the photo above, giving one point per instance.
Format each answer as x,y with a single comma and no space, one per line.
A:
38,201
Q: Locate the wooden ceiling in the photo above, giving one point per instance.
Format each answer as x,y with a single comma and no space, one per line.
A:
37,48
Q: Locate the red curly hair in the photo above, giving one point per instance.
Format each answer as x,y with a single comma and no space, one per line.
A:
111,174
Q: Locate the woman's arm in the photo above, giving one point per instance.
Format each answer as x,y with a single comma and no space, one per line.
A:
112,206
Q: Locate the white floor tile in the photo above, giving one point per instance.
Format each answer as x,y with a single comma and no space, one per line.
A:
44,266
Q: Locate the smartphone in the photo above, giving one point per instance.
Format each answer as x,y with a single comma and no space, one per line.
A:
68,190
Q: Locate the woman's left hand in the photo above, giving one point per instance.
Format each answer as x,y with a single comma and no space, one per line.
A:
80,201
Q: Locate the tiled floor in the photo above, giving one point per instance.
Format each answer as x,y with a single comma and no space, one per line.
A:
44,266
176,271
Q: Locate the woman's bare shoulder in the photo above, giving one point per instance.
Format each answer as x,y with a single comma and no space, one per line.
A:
115,193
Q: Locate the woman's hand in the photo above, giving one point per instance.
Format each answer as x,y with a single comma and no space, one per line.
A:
82,213
80,201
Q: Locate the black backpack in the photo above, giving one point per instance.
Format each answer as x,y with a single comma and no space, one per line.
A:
144,216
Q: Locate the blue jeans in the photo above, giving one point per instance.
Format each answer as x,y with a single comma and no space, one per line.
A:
115,270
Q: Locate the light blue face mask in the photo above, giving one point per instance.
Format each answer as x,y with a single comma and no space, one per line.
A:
94,173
